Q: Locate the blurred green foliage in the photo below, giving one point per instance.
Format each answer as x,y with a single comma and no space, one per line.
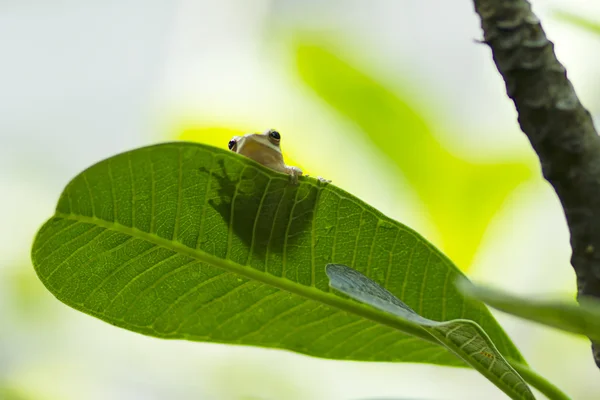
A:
564,314
7,393
28,296
579,21
460,196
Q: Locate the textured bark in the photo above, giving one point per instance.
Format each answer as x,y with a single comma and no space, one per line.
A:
559,128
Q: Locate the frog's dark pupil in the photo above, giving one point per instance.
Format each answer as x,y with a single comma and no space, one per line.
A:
275,135
231,144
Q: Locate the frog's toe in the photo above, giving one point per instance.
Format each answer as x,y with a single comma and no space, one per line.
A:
321,179
294,173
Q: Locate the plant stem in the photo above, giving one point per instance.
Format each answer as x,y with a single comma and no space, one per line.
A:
539,382
560,129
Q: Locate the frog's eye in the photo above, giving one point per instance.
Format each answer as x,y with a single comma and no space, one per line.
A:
274,136
232,144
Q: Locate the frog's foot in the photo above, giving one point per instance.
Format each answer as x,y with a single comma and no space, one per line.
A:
294,173
322,180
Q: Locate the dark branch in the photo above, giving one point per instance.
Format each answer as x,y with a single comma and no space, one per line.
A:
559,128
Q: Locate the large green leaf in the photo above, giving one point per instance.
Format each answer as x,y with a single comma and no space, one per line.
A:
463,337
188,241
582,319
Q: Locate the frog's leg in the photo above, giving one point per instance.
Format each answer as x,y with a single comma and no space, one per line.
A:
294,173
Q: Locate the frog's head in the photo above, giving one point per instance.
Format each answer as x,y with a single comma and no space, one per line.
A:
261,147
266,143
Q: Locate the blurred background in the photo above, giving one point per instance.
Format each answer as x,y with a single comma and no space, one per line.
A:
393,100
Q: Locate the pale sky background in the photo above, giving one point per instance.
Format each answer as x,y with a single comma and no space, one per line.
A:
81,81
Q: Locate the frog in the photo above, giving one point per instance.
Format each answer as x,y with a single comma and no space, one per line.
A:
265,149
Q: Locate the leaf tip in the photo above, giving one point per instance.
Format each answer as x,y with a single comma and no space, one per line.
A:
334,271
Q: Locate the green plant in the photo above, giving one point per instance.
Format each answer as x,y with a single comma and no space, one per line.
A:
187,241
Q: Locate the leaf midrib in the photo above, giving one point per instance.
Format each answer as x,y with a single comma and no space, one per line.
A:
308,292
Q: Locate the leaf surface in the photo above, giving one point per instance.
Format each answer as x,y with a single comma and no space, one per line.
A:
463,337
187,241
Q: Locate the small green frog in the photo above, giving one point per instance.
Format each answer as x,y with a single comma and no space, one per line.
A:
264,148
